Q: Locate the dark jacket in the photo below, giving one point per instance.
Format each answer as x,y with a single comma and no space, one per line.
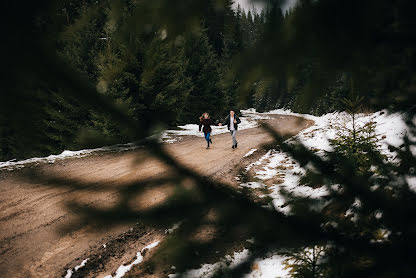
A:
227,122
207,123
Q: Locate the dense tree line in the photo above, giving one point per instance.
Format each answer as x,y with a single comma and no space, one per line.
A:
151,73
173,78
148,72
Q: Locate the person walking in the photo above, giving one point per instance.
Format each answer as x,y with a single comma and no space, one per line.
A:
206,121
232,122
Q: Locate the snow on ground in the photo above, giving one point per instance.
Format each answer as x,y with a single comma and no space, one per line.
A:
270,267
253,185
260,161
69,272
285,173
208,270
123,269
250,152
393,127
13,164
174,228
390,128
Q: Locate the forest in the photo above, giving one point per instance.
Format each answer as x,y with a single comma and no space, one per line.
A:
147,72
81,74
152,74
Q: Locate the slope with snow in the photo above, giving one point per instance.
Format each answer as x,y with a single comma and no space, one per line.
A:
277,171
285,173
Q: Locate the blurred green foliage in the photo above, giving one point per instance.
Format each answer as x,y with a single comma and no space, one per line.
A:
87,73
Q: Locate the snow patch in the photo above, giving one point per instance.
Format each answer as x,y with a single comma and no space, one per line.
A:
69,272
260,161
253,185
208,270
390,128
14,164
174,227
250,152
411,181
270,267
123,269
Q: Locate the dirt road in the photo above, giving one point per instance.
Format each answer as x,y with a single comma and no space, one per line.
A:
40,236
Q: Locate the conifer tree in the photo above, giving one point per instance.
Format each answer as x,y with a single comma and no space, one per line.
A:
164,85
203,71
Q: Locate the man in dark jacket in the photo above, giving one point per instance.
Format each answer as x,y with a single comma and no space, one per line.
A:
232,122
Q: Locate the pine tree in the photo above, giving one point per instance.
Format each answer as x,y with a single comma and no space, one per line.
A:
203,70
233,39
250,29
213,21
164,87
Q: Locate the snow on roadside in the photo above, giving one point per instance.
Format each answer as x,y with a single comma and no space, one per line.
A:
13,164
260,161
270,267
393,127
208,270
123,269
253,185
285,173
250,152
390,127
69,272
174,228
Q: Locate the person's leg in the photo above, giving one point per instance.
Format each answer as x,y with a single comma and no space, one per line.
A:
207,138
233,135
